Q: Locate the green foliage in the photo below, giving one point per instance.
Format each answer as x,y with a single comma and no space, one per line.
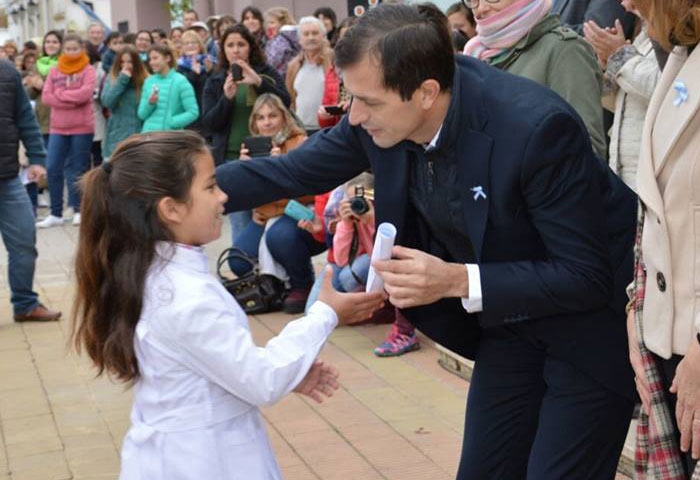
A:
177,7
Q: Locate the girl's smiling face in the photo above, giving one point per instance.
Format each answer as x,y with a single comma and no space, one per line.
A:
200,218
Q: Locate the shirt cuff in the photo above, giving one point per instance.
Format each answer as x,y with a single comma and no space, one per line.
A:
473,303
322,310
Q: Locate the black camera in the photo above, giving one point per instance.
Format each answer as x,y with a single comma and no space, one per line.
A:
358,203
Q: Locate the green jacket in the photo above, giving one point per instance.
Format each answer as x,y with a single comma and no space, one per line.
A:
557,57
176,107
119,96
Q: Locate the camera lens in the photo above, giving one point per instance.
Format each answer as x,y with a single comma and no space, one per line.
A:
359,205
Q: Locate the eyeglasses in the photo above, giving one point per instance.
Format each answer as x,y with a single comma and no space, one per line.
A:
475,3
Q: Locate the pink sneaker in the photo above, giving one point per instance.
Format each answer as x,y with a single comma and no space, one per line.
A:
397,343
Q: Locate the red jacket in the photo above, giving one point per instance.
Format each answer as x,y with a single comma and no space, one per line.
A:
331,96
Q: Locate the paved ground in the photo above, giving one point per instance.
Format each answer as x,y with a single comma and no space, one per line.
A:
398,418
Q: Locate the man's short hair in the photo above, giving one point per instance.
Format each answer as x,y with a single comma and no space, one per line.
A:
456,8
191,10
411,42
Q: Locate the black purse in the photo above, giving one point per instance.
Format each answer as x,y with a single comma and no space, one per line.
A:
255,292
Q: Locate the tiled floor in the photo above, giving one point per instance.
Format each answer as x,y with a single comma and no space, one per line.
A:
397,418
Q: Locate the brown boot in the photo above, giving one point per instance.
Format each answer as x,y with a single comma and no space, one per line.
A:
39,314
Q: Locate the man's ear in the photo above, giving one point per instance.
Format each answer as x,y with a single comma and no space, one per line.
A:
170,211
428,92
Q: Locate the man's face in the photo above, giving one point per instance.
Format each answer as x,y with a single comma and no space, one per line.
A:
188,19
96,35
311,37
381,112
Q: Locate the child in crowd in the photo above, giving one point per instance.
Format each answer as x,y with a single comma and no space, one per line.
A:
168,100
68,90
114,45
121,93
149,312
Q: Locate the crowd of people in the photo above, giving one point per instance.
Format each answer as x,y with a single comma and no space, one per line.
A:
535,232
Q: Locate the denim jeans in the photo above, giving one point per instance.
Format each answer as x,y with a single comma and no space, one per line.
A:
343,279
19,234
289,245
69,154
239,221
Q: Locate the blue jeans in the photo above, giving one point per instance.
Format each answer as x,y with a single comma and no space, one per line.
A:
289,245
343,279
239,221
19,234
69,154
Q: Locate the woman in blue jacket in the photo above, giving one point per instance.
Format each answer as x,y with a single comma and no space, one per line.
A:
120,94
168,101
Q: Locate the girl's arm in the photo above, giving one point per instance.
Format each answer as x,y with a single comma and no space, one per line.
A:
342,241
49,94
189,103
146,108
82,94
219,346
113,89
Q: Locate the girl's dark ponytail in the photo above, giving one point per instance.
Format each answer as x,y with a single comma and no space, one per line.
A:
118,233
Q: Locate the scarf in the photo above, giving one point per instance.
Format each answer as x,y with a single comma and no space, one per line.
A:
498,33
44,64
185,62
72,64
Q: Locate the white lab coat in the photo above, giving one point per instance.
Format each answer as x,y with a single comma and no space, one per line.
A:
202,378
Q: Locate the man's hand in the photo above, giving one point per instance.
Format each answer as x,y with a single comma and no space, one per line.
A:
686,385
320,380
414,278
349,307
35,172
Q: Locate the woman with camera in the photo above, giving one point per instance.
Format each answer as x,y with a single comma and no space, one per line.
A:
282,247
229,94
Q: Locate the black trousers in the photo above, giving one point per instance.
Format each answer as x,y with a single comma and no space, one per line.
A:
535,417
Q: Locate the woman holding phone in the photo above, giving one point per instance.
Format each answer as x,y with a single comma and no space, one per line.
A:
229,94
283,248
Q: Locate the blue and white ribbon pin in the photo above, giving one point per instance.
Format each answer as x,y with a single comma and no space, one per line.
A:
681,93
478,192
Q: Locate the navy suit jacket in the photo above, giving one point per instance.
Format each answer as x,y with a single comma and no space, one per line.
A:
553,237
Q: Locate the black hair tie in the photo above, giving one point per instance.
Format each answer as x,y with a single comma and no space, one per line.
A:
107,167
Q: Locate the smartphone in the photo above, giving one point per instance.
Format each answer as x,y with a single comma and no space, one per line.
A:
298,211
258,146
155,89
236,72
334,109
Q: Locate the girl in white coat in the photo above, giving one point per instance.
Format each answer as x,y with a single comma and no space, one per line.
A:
149,312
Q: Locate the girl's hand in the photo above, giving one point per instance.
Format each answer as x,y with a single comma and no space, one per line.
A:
153,99
126,71
230,87
320,380
243,155
349,307
314,226
276,151
208,64
344,210
196,66
250,76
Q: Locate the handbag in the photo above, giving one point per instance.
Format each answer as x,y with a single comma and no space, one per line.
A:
255,292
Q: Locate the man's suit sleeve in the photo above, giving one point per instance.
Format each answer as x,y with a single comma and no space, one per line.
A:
326,160
563,198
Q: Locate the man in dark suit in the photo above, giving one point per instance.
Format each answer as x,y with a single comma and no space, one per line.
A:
515,240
